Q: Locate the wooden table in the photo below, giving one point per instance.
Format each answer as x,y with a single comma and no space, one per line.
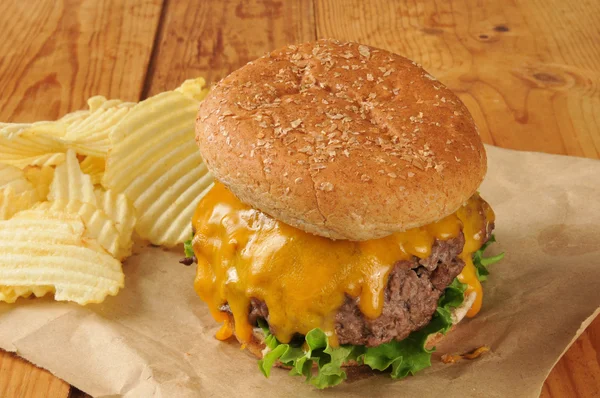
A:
527,70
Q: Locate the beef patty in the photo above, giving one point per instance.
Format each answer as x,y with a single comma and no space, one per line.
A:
410,298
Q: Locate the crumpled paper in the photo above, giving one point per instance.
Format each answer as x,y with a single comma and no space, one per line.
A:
155,339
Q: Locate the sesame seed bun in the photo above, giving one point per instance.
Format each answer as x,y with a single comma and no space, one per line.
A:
341,140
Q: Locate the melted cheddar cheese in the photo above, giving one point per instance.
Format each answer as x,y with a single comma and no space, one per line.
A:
303,278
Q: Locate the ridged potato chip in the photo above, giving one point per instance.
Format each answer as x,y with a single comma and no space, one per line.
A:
72,191
32,144
40,178
194,88
98,225
76,116
43,252
14,177
11,203
10,294
45,143
70,183
90,135
118,208
16,192
94,167
154,161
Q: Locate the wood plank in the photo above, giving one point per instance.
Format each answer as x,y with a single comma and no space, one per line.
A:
213,37
577,374
19,378
527,70
57,54
75,393
555,67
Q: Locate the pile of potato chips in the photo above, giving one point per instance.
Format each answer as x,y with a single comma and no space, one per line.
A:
73,192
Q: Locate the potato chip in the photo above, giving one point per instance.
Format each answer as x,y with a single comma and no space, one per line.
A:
74,117
121,212
99,101
97,224
154,161
90,135
70,184
14,177
94,167
194,88
12,203
72,191
43,128
10,294
40,178
16,192
43,252
37,144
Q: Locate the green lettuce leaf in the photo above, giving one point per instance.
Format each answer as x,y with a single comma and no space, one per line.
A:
481,263
187,247
401,358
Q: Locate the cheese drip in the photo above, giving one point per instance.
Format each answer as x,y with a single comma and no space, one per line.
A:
303,278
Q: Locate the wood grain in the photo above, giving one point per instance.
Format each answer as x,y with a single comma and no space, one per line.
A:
53,56
56,54
19,378
213,37
577,374
527,70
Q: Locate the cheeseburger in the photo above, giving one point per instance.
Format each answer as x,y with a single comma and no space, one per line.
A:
344,227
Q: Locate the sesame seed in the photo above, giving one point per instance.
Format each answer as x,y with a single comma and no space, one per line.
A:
298,180
326,186
364,51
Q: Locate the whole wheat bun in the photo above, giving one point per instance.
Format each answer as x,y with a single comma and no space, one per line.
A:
341,140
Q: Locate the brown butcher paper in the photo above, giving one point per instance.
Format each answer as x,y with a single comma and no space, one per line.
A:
155,339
